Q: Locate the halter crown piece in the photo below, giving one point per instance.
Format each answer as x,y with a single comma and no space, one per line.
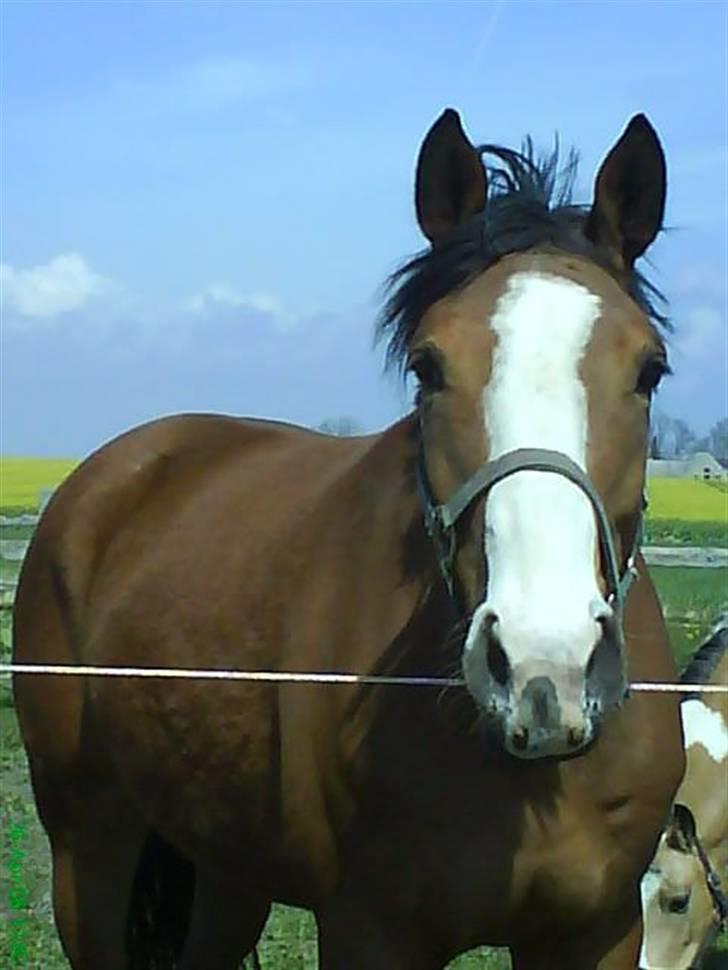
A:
441,519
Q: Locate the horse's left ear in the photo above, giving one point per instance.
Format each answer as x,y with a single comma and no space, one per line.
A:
629,194
450,185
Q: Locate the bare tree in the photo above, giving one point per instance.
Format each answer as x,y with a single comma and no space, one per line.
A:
341,427
718,441
672,437
662,439
686,440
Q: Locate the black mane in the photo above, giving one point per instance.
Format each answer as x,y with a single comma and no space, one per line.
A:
529,204
701,665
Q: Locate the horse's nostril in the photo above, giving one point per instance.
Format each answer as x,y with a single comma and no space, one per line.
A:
498,663
519,738
605,668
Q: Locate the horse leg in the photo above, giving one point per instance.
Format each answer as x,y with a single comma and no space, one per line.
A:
362,940
613,947
93,874
625,954
227,922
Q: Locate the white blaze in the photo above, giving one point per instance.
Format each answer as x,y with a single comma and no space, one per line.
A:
649,887
541,535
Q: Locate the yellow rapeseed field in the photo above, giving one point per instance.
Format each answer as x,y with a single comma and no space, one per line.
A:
684,499
687,499
22,479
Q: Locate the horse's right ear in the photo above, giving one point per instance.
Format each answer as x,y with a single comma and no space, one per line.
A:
451,184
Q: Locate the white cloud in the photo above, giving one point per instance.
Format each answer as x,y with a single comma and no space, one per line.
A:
62,285
217,296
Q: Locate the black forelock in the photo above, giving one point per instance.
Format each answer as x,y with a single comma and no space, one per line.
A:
529,205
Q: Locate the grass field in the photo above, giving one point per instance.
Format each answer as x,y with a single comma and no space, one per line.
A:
22,479
684,511
685,499
688,500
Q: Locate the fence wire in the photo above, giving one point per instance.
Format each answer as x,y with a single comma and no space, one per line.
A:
301,677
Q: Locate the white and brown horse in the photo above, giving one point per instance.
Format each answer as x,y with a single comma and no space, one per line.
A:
685,890
489,532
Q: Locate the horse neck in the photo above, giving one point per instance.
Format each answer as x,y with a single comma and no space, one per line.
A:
406,597
390,498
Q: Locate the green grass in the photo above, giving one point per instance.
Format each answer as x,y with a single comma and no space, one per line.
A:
675,532
16,531
8,569
691,600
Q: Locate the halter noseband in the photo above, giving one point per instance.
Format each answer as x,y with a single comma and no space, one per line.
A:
441,519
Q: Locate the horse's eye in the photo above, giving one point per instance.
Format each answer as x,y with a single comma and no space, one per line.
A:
651,373
678,904
427,368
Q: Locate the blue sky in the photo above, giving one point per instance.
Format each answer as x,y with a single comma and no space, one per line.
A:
201,200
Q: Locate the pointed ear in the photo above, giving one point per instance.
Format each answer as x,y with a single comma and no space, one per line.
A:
629,194
681,829
451,183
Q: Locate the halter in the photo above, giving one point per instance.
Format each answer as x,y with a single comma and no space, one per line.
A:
717,896
441,519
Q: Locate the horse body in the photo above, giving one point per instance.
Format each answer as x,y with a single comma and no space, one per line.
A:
302,789
414,824
683,912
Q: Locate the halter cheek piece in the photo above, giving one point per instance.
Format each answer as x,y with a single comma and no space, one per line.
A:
440,520
717,896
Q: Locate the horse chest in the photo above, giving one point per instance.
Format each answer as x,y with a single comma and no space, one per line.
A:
575,867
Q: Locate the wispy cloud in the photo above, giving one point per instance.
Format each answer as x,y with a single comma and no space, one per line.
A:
62,285
222,298
93,382
224,295
209,85
701,334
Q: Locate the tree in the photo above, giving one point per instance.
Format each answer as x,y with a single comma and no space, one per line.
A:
671,437
663,444
685,438
341,427
718,441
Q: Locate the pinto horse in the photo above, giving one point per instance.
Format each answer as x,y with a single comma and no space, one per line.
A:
685,890
492,533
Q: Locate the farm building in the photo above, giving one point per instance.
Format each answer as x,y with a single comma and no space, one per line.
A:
700,465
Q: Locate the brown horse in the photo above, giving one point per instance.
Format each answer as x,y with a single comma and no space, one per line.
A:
685,890
415,824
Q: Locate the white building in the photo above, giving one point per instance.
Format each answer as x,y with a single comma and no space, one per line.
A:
701,465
